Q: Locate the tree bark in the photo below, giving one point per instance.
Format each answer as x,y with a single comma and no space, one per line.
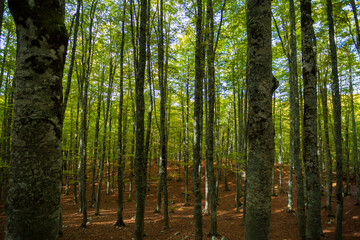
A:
120,150
210,118
355,150
295,125
103,152
33,208
337,123
96,140
313,220
198,105
261,130
140,164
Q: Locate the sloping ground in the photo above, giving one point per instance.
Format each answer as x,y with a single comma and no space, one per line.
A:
230,223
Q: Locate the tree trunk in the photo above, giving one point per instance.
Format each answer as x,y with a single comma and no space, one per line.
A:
84,85
198,105
210,118
72,59
103,152
261,130
328,180
120,150
355,150
295,127
96,140
140,163
36,134
353,6
347,150
337,124
313,220
186,157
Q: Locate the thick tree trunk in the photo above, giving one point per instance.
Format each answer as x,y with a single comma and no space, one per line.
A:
33,200
261,130
313,220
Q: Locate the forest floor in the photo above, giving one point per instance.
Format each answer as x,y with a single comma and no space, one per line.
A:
230,223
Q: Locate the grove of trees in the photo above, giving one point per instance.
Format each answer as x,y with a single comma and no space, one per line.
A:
97,94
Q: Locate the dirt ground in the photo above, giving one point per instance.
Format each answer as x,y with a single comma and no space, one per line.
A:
230,223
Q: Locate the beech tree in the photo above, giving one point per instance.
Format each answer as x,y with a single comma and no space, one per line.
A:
34,199
313,220
261,86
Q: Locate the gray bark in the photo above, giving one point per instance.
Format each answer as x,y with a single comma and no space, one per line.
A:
96,140
72,59
261,130
313,220
103,153
198,105
210,119
295,125
33,202
355,150
120,150
337,123
140,163
353,6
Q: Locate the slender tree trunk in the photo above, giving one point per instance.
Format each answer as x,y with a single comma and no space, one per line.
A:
355,150
295,128
120,150
96,140
347,150
261,129
163,130
76,155
131,177
150,108
353,6
337,124
313,220
33,201
103,152
198,104
140,166
186,157
72,59
84,85
210,119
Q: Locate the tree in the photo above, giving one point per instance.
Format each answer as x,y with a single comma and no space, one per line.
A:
210,119
337,122
295,124
163,130
261,86
34,199
355,150
199,74
313,220
121,153
140,164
